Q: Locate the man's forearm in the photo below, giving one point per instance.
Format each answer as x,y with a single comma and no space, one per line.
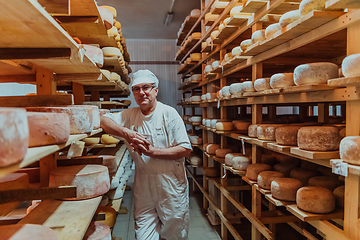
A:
110,127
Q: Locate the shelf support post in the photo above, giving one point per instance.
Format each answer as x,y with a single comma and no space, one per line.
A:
45,82
79,93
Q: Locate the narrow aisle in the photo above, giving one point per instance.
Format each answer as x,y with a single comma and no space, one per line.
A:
200,227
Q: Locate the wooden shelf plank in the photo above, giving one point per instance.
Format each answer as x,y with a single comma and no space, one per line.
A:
261,143
69,219
344,82
277,202
253,6
189,23
342,4
113,64
250,182
315,154
234,171
306,216
36,153
238,20
278,147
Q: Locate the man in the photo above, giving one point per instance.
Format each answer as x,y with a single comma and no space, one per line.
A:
158,142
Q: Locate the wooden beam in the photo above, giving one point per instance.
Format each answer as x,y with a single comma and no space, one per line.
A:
27,194
39,100
55,7
77,76
79,94
80,161
278,219
29,78
34,53
95,96
45,84
47,164
77,19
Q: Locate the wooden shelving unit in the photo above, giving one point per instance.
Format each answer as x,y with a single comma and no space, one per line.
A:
316,37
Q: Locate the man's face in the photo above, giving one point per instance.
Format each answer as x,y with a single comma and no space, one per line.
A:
144,94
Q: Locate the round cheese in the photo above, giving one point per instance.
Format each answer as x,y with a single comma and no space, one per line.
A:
205,146
285,188
315,73
235,10
281,80
96,118
226,91
221,27
245,44
208,123
109,161
287,135
267,131
195,56
221,152
111,52
236,51
194,139
213,123
196,119
258,36
98,231
211,17
339,194
254,169
195,99
215,64
107,17
195,160
224,126
48,128
212,172
211,148
229,157
241,162
235,88
14,135
203,97
228,56
196,77
241,125
111,9
350,65
219,4
325,181
26,231
208,68
106,73
307,6
114,77
350,149
272,29
289,17
204,45
284,168
315,199
195,13
226,21
117,24
318,138
95,54
262,84
214,34
303,175
113,32
252,131
247,86
265,178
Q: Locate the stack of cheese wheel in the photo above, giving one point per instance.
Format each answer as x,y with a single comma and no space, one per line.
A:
328,182
240,163
252,130
289,17
80,116
98,231
254,169
267,131
287,135
195,160
285,168
27,231
285,188
90,180
47,128
303,175
229,157
266,177
350,149
109,161
14,135
222,152
324,138
350,65
315,73
241,125
94,53
315,199
211,148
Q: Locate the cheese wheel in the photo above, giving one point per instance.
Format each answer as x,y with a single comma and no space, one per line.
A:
226,91
213,123
350,65
267,131
303,175
95,54
258,36
247,86
109,161
350,149
14,135
285,188
195,140
241,125
318,138
221,27
90,180
224,126
236,51
204,45
228,56
254,169
195,160
339,194
111,52
48,128
281,80
211,17
107,17
325,181
221,152
111,9
208,123
98,231
208,68
214,34
106,73
272,29
196,119
252,130
245,44
212,172
195,13
240,162
80,116
195,56
26,231
235,88
211,148
113,32
262,84
195,98
285,168
315,73
203,97
95,117
215,64
196,77
307,6
289,17
265,178
117,24
229,157
235,10
287,135
315,199
205,146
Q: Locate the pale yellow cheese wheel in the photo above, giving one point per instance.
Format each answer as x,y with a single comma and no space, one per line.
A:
272,29
315,199
111,52
241,162
262,84
91,140
281,80
289,17
245,44
107,139
258,36
266,177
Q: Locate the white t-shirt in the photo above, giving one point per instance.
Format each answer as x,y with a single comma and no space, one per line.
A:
164,127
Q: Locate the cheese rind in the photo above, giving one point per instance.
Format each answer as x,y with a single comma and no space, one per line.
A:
272,29
266,177
258,36
224,126
245,44
322,138
98,231
94,53
285,188
287,135
241,125
236,51
248,86
26,231
339,194
307,6
211,148
350,149
289,17
315,73
254,169
350,65
235,88
222,152
241,162
252,131
262,84
267,131
315,199
229,157
284,168
281,80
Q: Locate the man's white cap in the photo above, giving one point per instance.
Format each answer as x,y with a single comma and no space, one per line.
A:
144,76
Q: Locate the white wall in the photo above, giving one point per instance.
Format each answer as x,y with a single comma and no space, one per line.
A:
16,89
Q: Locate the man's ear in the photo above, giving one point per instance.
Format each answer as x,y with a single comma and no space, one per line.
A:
156,90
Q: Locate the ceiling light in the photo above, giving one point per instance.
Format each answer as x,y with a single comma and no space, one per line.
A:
168,19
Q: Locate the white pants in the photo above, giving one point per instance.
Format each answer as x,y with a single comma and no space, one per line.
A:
161,203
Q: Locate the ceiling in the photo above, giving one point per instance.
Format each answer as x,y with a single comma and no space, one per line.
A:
144,19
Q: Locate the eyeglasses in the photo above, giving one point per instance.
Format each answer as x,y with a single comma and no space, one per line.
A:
145,88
